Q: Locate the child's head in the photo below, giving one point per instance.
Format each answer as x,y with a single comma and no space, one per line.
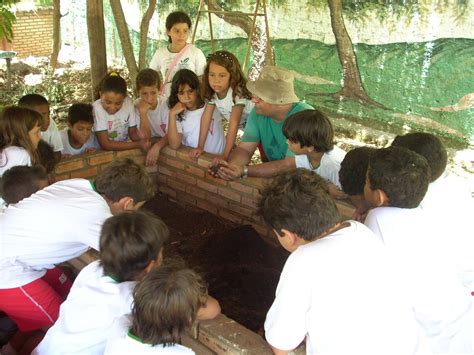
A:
308,130
298,202
112,92
39,104
125,185
80,121
185,89
21,127
396,177
148,84
353,170
178,25
46,156
21,182
131,244
223,71
166,303
428,146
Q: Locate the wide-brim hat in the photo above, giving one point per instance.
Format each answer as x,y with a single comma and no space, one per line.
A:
274,85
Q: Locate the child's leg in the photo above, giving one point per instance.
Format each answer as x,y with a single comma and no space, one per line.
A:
32,306
59,281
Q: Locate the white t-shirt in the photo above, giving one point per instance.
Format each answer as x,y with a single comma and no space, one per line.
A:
121,342
86,317
13,156
116,125
55,224
157,118
51,136
193,59
442,305
69,149
341,293
328,167
190,126
225,106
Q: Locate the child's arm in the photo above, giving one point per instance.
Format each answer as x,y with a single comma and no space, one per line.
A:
108,144
154,152
335,192
234,121
210,310
203,131
174,137
143,108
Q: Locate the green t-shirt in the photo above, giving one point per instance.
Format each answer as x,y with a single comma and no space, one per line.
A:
263,129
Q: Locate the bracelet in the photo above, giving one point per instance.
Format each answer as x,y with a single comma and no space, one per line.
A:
245,174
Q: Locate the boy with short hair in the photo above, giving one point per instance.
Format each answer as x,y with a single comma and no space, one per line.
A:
49,129
338,288
397,180
31,288
165,304
21,182
78,138
310,136
352,177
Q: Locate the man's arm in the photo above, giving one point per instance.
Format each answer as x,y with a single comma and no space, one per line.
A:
269,169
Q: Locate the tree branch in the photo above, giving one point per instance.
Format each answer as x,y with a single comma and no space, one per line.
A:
145,24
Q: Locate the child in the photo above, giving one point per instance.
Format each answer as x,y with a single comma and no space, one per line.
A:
78,137
31,288
152,110
352,178
166,303
397,180
178,54
224,89
49,129
310,136
337,289
20,133
131,244
185,111
21,182
114,117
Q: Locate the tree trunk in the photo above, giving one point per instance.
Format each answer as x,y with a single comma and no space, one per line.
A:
96,34
352,87
144,33
262,51
56,33
124,36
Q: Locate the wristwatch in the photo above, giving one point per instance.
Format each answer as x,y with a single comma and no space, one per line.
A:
245,174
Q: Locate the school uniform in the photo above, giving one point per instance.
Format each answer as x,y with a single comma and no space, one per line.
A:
52,137
116,125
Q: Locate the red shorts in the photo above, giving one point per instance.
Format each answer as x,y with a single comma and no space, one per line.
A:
36,304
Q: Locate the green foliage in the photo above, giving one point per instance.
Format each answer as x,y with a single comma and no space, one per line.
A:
7,19
44,3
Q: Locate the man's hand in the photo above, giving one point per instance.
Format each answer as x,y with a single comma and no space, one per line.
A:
229,172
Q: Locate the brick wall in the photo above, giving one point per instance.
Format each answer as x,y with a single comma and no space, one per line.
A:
33,33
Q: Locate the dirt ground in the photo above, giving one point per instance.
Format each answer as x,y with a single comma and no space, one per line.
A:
241,269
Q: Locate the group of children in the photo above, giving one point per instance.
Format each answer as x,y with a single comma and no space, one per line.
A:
399,284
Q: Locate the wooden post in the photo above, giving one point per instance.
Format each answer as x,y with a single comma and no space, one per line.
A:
97,49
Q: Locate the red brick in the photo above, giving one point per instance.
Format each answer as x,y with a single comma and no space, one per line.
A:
216,200
61,177
69,165
162,179
186,199
166,171
167,151
152,169
207,206
249,201
188,179
194,170
175,163
195,191
91,172
227,193
167,191
183,154
241,210
176,185
101,158
128,153
140,159
240,187
206,186
229,216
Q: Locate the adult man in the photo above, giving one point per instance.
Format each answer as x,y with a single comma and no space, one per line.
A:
275,100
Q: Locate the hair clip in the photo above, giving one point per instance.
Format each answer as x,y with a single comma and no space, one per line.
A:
113,73
220,54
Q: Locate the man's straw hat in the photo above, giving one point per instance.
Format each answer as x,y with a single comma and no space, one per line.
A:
274,85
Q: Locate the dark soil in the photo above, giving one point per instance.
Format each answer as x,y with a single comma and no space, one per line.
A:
241,269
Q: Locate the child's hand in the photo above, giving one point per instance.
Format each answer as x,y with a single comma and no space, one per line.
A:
144,144
336,193
91,150
177,109
152,155
143,106
195,153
